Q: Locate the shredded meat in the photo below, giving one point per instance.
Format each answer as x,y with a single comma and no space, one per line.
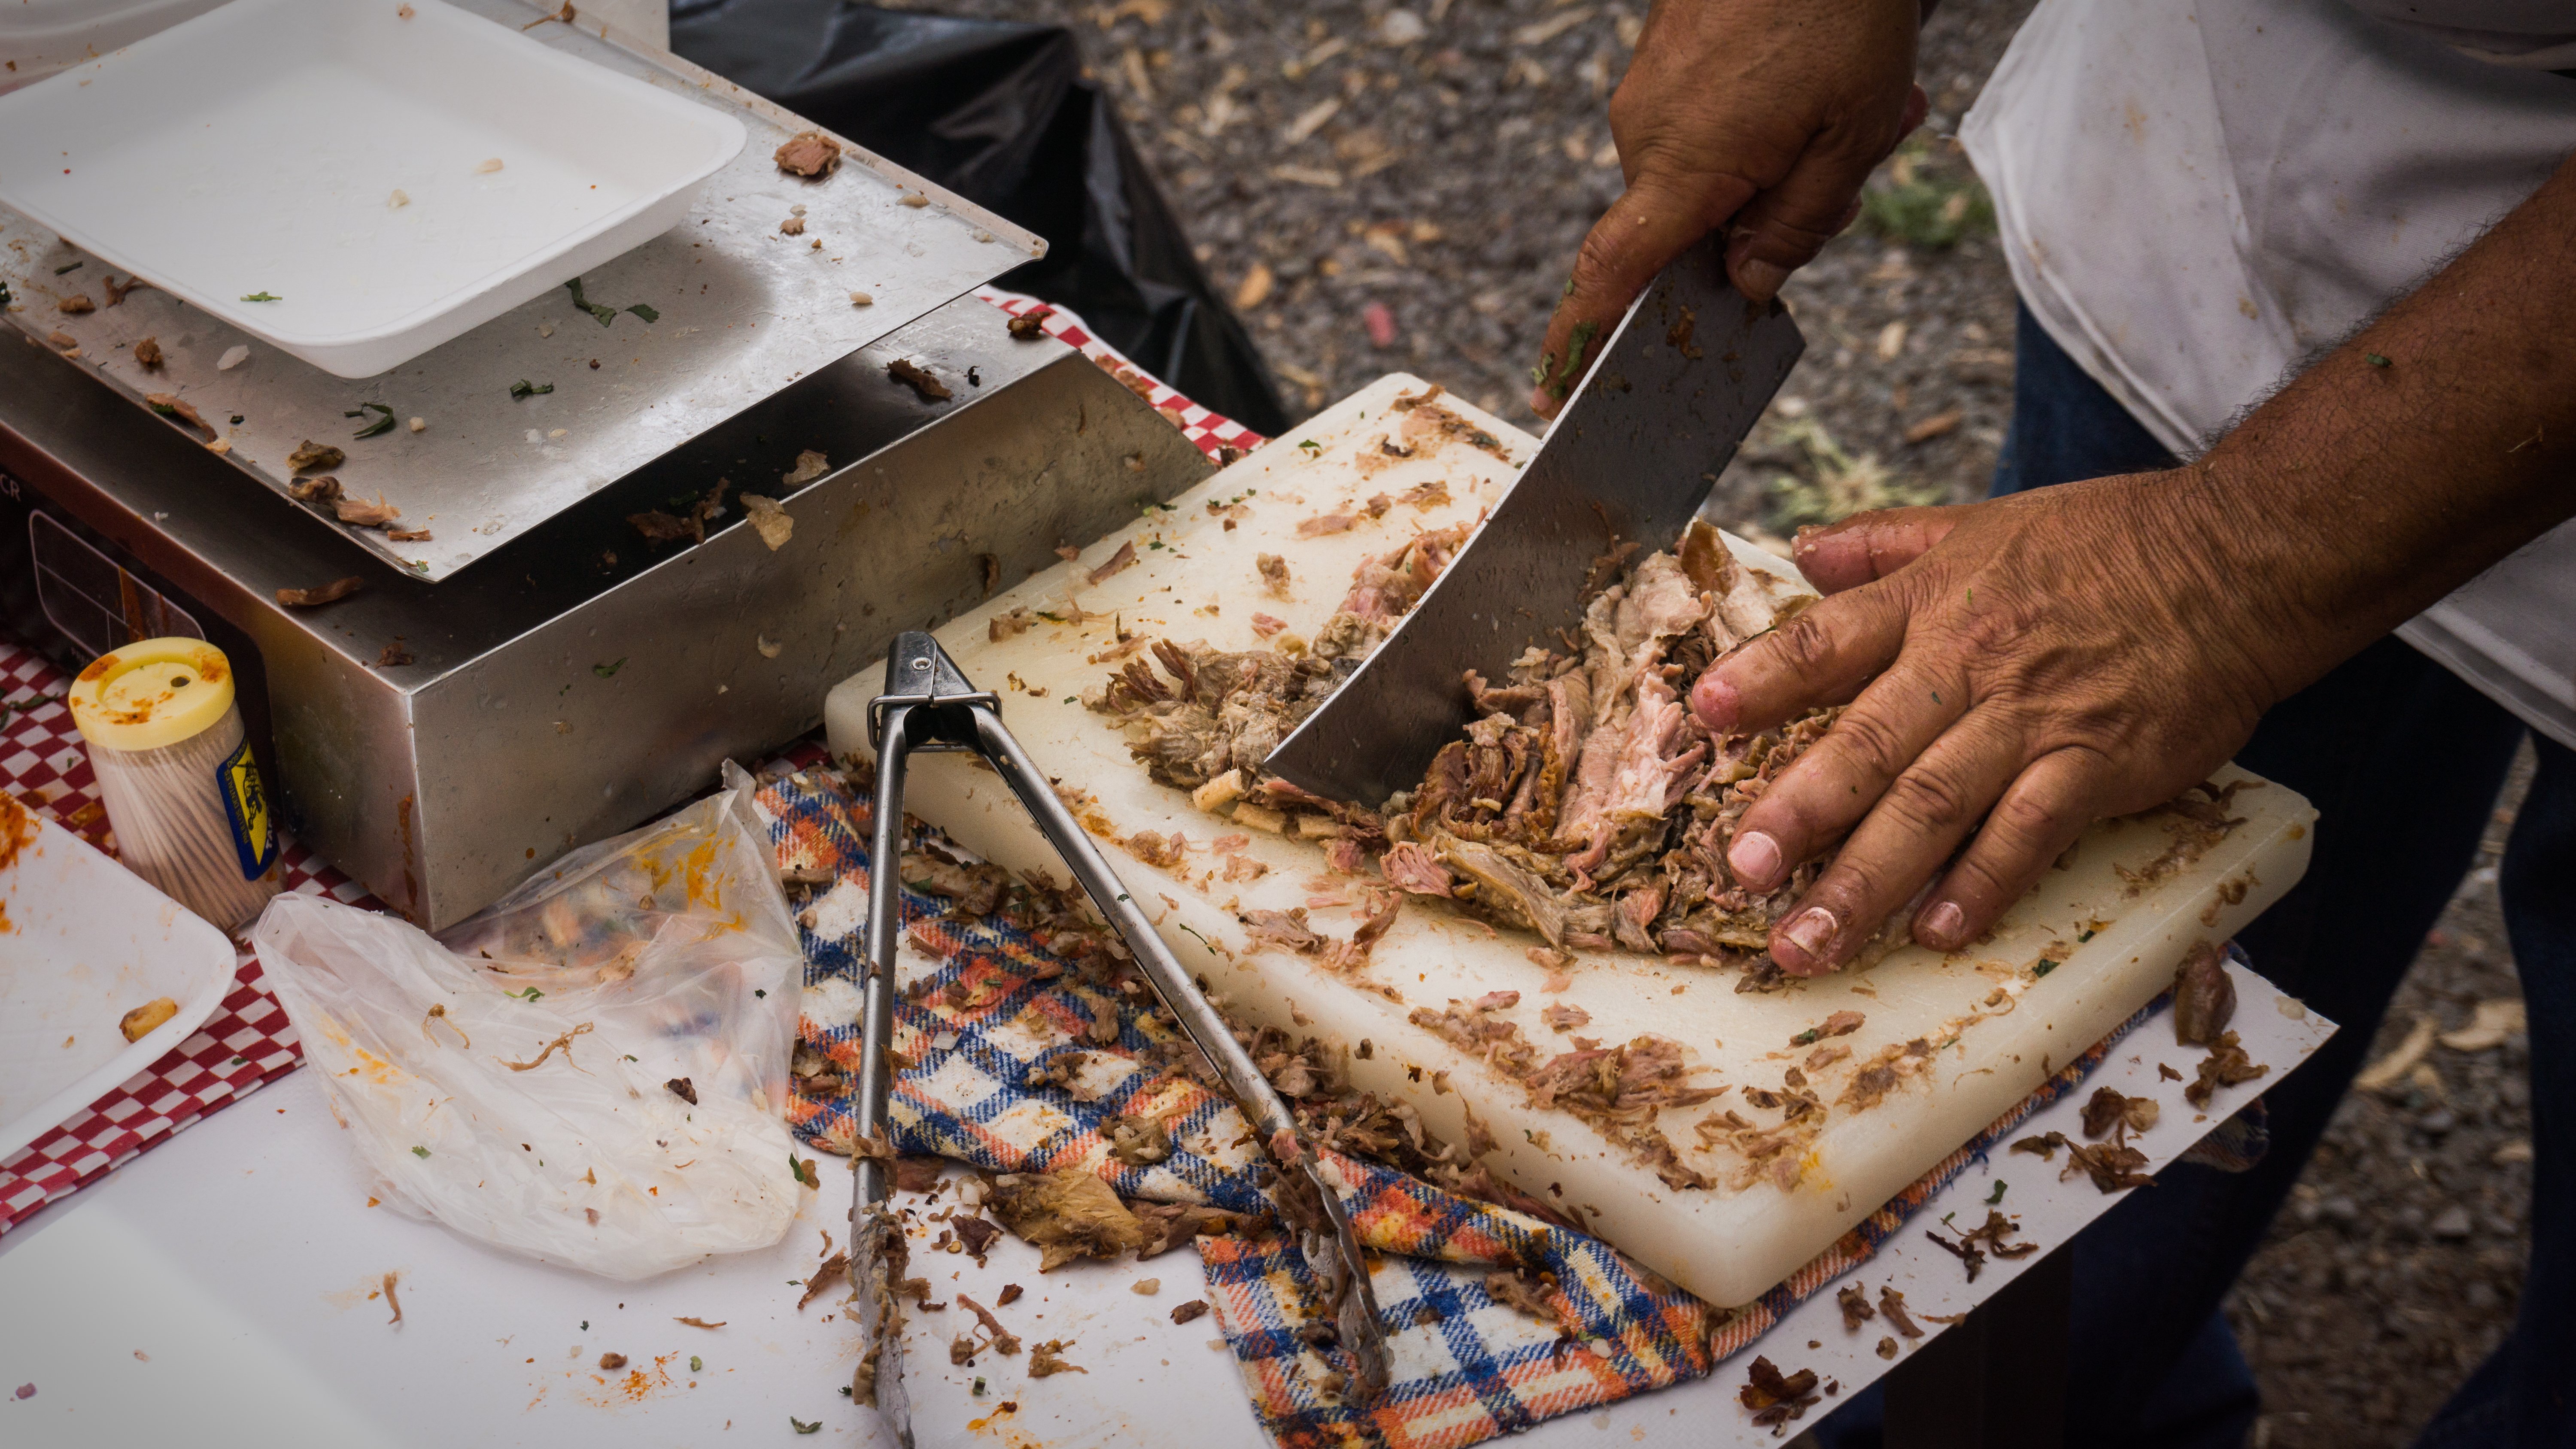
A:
2225,1066
1068,1214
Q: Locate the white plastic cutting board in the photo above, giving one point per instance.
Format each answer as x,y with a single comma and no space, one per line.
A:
256,149
1727,1244
83,941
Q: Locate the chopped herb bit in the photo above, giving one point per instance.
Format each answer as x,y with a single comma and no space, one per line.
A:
420,1152
526,389
2374,359
1998,1194
761,991
605,313
2044,967
1806,1038
606,670
384,422
263,297
531,994
646,312
76,266
697,1365
979,1383
237,420
2083,936
1051,618
1310,445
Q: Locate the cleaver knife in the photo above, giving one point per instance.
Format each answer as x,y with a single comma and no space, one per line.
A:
1633,454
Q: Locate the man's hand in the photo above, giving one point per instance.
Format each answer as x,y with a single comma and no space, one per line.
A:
2044,660
1766,112
2052,657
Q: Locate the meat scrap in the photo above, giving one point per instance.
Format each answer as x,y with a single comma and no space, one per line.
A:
1527,1292
313,598
1991,1234
1776,1398
2113,1166
2225,1066
1841,1023
1046,1360
1892,1303
1068,1214
1001,1341
1117,563
2204,997
1853,1300
1189,1312
809,154
913,375
2110,1111
825,1274
311,457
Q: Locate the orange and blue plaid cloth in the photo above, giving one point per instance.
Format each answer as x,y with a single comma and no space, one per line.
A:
1466,1366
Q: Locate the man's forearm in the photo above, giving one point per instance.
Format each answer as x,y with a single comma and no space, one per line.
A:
2435,442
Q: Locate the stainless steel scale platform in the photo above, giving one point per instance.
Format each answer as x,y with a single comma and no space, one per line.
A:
568,678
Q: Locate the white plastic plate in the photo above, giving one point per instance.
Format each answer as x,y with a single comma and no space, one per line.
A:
87,942
257,149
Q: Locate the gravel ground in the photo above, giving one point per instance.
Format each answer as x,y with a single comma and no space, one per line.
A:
2398,1262
1330,159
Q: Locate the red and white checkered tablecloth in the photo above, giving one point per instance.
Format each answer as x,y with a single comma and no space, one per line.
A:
248,1041
241,1047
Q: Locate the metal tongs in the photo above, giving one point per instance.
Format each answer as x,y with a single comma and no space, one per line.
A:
929,705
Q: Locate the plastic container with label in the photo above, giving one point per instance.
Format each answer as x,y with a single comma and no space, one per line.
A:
175,771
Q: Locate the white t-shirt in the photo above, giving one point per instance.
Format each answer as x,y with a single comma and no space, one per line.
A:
2197,195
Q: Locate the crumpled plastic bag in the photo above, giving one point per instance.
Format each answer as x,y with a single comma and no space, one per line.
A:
526,1079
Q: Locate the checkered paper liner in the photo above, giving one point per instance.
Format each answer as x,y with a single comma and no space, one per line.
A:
985,1009
1220,437
244,1045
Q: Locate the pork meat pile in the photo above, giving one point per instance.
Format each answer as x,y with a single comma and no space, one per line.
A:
1586,803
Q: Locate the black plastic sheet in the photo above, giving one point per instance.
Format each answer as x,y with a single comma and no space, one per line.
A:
1000,113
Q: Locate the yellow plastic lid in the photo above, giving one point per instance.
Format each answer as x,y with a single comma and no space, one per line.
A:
152,693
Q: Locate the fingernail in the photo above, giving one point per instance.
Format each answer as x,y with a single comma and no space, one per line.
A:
1943,925
1758,279
1755,858
1716,702
1810,931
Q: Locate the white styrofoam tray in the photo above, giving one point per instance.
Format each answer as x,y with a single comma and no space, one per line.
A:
87,941
257,149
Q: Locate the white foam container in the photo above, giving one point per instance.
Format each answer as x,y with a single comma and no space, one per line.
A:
88,942
256,149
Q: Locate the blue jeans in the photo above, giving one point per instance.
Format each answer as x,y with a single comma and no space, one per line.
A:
2156,1362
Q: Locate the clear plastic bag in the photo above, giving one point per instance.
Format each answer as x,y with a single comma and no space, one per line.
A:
526,1080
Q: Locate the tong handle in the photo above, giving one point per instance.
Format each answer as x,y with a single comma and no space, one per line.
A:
929,704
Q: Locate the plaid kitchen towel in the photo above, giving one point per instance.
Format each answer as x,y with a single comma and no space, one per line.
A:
986,1010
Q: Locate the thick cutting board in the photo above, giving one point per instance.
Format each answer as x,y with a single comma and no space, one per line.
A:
1994,1021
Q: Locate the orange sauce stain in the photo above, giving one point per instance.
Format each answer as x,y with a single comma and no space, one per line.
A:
18,829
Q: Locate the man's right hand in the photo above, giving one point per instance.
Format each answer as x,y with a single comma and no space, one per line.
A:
1765,113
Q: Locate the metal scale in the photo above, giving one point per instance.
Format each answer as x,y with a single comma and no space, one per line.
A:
567,677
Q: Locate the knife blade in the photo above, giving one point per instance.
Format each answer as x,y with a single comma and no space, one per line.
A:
1633,454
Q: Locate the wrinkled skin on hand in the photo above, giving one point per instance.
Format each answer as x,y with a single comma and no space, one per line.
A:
2017,669
1766,114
